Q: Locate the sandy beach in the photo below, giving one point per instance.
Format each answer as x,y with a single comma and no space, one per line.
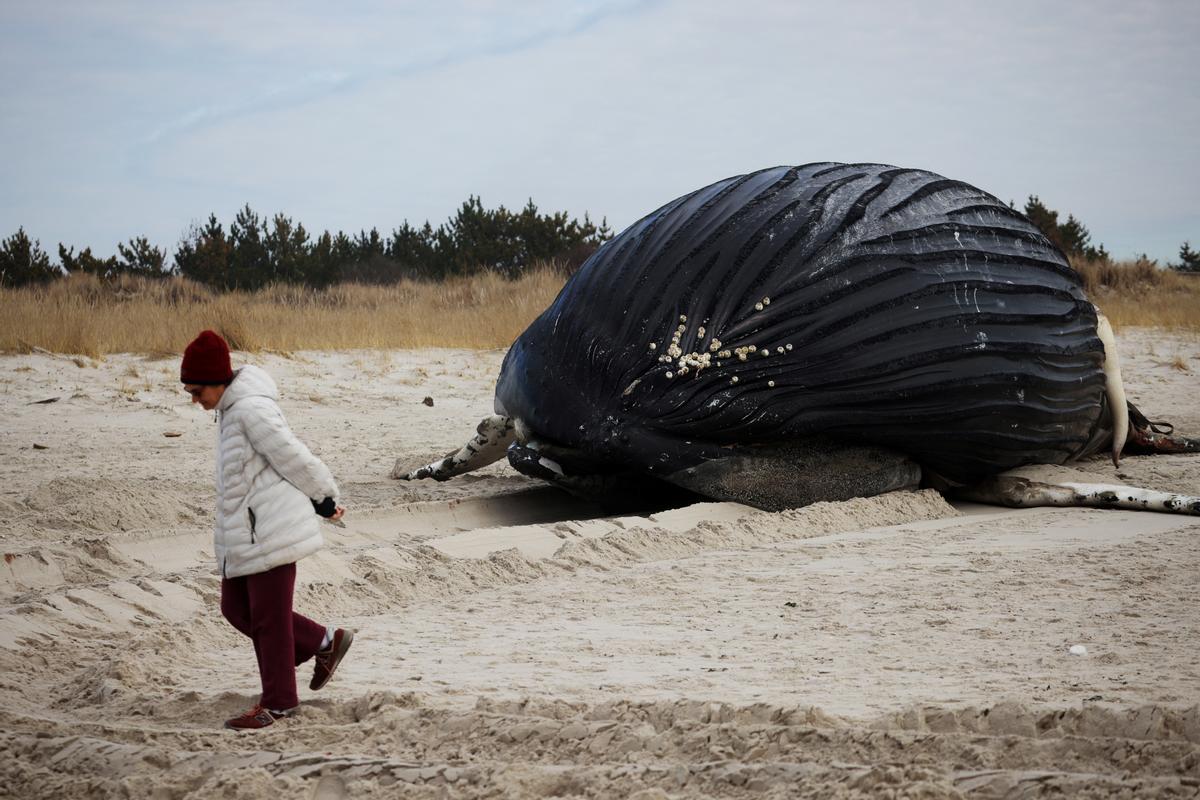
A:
516,642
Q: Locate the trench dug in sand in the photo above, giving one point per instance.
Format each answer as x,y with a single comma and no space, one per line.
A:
515,642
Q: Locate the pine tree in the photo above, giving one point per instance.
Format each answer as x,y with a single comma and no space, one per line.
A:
1071,237
86,263
142,258
250,263
204,255
322,268
1189,259
23,261
288,250
413,251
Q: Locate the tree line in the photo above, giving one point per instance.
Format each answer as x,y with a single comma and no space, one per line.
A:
1074,239
254,251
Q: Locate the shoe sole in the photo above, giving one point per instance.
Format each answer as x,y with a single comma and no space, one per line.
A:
338,655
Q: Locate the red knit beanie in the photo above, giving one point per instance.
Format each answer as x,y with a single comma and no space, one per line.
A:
206,361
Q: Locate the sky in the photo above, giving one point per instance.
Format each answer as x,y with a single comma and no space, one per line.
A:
132,118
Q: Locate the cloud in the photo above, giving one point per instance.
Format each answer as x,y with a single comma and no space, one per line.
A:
465,32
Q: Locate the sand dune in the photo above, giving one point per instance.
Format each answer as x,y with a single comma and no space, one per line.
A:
516,642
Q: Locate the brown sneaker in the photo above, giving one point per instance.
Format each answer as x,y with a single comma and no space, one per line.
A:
328,659
257,717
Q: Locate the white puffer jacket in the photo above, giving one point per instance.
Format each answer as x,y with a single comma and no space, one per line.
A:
265,480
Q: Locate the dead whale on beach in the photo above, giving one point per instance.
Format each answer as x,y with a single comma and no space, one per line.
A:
814,333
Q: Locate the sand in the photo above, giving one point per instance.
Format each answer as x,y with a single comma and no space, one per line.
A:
515,642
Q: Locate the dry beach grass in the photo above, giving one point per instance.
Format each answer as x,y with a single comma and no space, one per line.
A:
1138,294
83,315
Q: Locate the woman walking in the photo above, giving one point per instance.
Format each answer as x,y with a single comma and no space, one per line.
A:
268,487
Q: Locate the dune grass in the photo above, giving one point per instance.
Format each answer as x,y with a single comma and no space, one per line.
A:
83,315
1139,294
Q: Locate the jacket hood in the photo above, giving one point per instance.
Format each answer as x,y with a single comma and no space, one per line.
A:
248,381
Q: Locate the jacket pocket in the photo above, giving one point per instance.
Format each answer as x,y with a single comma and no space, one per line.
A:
253,521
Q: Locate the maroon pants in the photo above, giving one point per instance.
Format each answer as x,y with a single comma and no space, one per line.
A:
260,606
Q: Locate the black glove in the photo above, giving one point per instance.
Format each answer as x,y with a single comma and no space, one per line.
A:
326,508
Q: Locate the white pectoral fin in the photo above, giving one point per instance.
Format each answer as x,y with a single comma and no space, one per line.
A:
1133,498
492,438
1114,389
1019,492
